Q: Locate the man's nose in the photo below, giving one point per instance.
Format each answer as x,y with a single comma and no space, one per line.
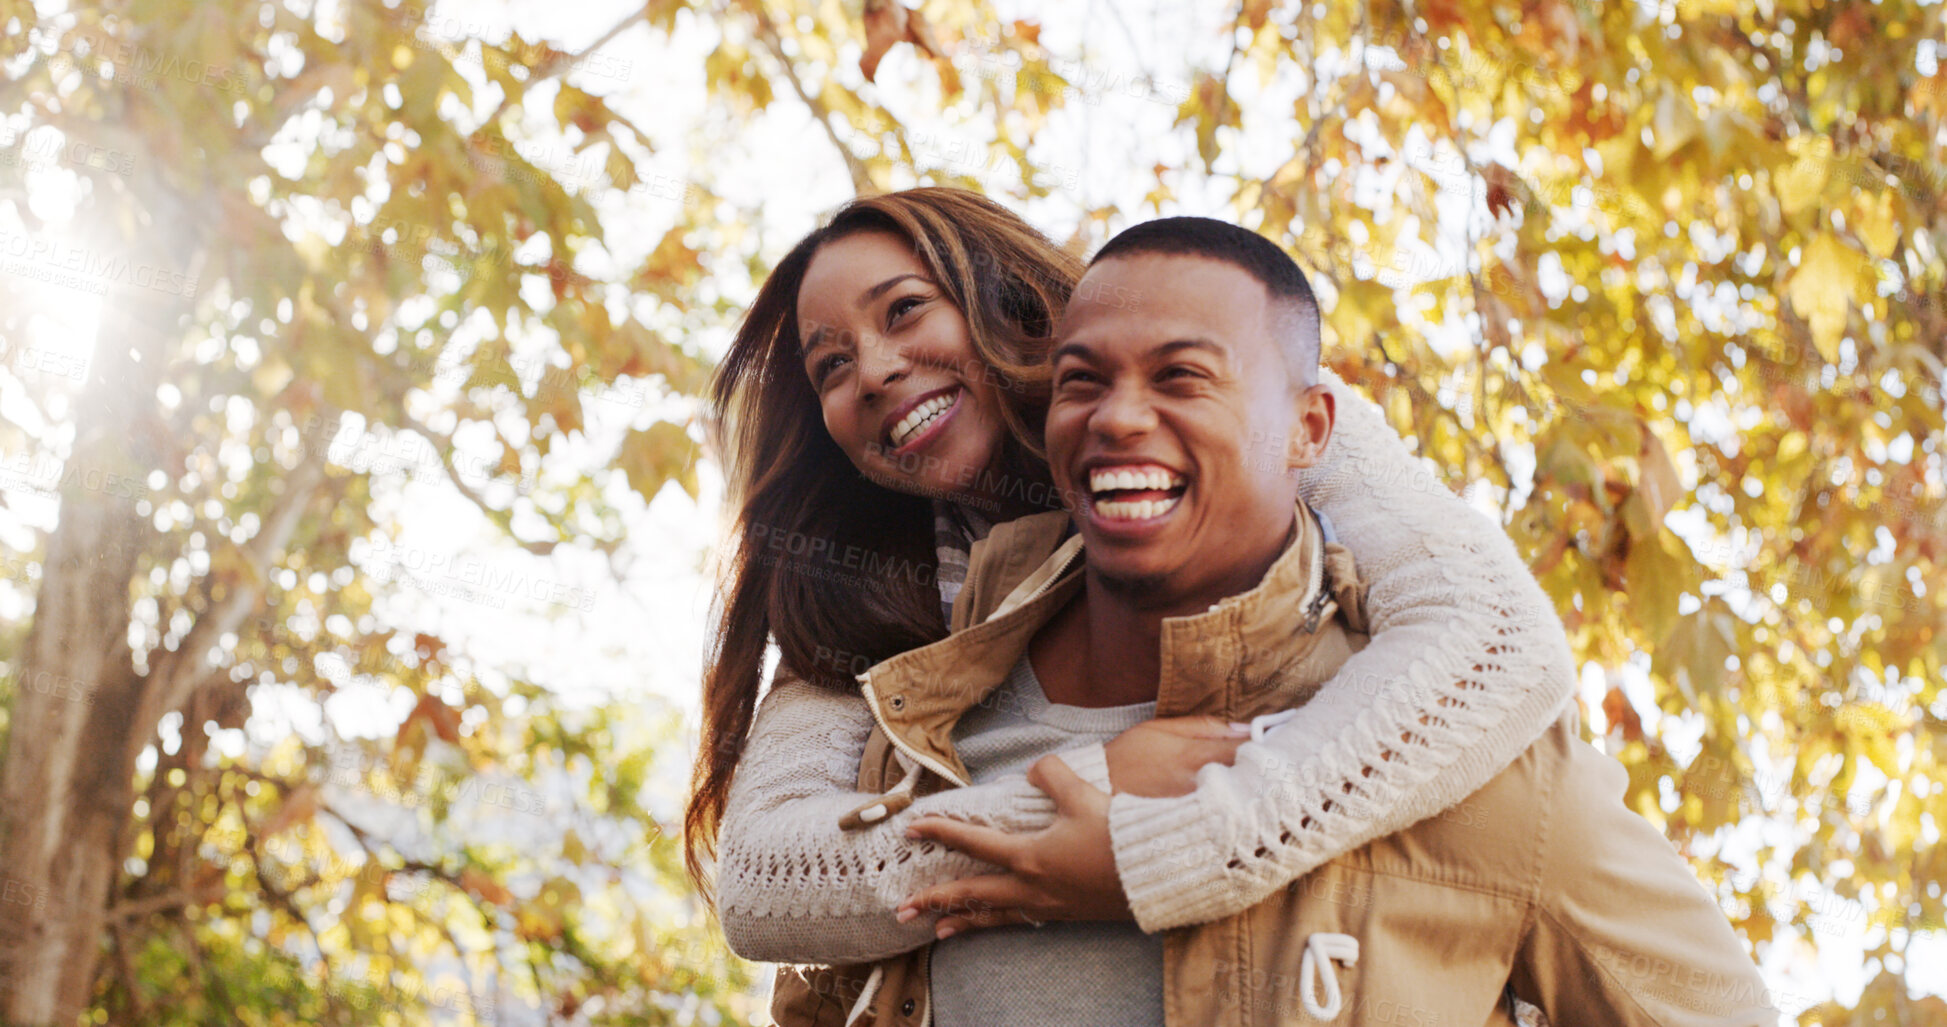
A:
1121,413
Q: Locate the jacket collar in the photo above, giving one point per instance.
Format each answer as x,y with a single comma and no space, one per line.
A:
1211,662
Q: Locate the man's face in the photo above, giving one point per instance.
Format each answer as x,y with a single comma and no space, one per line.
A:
1175,425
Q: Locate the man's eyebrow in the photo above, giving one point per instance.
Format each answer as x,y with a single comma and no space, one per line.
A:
1071,349
1076,349
1205,345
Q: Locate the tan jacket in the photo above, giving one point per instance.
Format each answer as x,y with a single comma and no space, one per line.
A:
1542,880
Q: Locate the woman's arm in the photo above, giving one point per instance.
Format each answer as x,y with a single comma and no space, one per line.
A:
1467,665
792,886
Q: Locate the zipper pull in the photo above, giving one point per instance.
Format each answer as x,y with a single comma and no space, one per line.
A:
1315,613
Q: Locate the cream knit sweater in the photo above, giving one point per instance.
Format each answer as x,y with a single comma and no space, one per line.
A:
1467,664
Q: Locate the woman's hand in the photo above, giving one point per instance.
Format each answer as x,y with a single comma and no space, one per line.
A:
1065,871
1159,759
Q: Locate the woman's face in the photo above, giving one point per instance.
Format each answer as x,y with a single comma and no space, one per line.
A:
888,354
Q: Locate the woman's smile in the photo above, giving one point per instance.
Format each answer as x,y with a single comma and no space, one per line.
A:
922,419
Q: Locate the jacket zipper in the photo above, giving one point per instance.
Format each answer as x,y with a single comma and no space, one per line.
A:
1313,602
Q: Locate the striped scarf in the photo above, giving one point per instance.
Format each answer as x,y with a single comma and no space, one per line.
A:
955,529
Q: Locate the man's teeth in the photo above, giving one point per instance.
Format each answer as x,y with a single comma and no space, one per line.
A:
921,416
1135,510
1116,478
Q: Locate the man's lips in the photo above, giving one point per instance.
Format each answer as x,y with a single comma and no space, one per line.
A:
1131,492
916,420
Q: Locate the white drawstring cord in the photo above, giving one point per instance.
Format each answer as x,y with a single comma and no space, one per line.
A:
1323,948
1263,724
879,811
865,996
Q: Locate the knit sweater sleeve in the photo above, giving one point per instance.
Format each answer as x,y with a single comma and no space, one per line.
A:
1467,665
792,886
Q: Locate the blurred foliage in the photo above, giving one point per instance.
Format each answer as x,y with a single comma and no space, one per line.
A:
1690,342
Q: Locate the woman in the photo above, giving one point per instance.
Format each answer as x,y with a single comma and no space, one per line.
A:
883,399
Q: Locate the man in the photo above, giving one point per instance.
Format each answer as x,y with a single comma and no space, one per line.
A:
1196,581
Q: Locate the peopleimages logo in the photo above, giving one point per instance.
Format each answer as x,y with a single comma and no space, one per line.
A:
28,256
142,67
51,148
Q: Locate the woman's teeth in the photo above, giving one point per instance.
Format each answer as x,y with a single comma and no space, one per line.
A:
922,416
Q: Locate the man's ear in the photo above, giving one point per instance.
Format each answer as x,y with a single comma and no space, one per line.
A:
1317,411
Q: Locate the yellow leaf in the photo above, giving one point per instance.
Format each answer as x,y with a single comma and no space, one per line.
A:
1799,183
1821,290
1675,124
1874,224
661,453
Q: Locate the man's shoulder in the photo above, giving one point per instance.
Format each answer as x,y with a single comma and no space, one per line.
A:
1499,836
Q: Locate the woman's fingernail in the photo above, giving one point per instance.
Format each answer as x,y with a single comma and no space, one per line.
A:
907,914
1240,727
945,933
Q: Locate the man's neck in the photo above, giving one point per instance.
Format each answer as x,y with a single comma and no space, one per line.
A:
1106,647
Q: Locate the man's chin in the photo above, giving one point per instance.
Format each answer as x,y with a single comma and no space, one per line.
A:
1135,586
1142,580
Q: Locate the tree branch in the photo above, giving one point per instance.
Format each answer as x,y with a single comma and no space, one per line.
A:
820,112
443,445
178,673
559,64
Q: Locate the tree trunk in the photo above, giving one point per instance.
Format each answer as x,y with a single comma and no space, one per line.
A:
67,784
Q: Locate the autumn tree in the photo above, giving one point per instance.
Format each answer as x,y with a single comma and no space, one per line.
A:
325,240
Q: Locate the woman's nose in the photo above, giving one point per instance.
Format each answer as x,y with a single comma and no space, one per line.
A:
881,364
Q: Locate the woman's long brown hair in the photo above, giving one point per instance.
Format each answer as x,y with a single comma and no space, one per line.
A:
801,503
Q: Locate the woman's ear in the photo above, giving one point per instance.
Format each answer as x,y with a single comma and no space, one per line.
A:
1317,410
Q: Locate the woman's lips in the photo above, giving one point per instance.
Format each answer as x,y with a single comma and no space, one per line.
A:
925,421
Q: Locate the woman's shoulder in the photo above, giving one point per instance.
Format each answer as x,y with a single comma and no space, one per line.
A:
790,696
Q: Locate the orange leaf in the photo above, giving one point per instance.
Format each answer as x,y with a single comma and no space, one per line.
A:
885,24
443,719
481,885
1617,711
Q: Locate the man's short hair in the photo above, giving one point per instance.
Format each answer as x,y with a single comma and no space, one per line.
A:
1259,257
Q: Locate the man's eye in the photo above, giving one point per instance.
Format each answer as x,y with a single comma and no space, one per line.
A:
1177,371
1075,378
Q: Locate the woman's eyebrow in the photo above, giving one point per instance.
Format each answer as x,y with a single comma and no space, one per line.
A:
879,290
807,343
817,335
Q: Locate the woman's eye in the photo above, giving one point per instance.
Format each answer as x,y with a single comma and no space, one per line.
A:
1074,378
900,306
825,366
